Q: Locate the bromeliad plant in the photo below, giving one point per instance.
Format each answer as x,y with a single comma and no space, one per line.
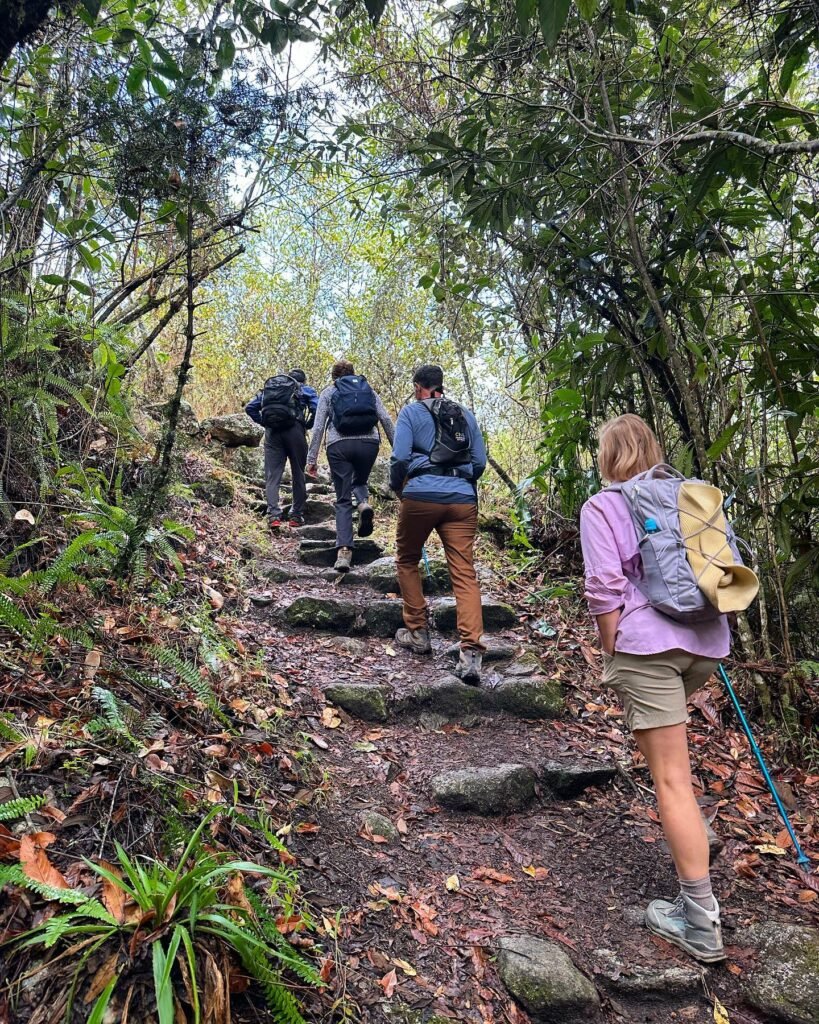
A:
179,912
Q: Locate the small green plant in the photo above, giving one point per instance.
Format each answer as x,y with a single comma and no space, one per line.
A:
20,807
186,907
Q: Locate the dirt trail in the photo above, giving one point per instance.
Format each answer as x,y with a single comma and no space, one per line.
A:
417,903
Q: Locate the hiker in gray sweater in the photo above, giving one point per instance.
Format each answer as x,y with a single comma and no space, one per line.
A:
349,411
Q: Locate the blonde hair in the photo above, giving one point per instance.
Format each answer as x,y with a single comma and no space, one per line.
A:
627,447
343,368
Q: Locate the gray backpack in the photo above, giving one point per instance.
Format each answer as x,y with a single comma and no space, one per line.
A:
669,583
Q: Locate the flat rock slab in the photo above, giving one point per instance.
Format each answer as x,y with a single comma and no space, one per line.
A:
327,613
542,978
348,646
487,791
319,553
448,696
320,488
496,615
566,780
655,982
317,531
784,982
495,650
361,700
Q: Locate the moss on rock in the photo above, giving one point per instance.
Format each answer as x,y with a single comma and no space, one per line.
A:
369,703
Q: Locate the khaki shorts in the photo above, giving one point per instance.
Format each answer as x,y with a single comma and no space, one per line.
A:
655,688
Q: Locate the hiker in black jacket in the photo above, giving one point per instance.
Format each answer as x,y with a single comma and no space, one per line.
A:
286,408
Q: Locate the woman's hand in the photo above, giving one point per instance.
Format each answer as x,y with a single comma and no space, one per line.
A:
312,470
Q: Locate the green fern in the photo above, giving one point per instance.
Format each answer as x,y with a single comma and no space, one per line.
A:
20,807
13,618
8,732
189,674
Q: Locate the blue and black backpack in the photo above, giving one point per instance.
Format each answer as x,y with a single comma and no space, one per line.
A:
353,406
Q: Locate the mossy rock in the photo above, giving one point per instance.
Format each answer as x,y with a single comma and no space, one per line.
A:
529,697
542,978
496,615
379,825
784,982
327,613
488,791
447,696
383,618
317,531
216,490
382,575
370,703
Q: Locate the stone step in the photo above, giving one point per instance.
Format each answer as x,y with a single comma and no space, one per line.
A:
512,787
496,615
317,531
533,697
320,553
382,575
335,615
315,511
542,978
320,489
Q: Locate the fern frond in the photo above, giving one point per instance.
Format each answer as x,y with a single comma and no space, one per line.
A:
281,1003
12,618
8,732
20,807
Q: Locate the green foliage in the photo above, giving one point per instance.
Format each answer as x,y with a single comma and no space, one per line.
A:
190,674
20,807
188,903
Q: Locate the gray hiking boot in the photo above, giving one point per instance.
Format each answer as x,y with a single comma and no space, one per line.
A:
344,559
469,666
689,926
416,640
365,519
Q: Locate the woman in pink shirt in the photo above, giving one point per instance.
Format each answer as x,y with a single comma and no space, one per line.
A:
654,664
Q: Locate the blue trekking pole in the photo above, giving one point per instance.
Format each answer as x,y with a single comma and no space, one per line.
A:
801,858
426,561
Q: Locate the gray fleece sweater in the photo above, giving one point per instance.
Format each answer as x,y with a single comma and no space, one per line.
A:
324,422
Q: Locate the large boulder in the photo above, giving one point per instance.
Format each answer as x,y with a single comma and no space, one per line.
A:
247,463
784,982
327,613
542,978
234,429
380,480
496,615
500,790
187,424
362,700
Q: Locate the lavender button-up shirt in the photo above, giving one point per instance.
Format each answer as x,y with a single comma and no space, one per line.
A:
613,568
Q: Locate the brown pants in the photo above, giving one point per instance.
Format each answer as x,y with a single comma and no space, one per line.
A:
456,525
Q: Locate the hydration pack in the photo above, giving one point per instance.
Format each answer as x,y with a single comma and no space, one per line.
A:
353,406
281,402
452,445
692,571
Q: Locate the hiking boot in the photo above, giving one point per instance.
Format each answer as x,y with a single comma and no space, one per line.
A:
275,524
415,640
296,521
469,666
344,559
689,926
365,519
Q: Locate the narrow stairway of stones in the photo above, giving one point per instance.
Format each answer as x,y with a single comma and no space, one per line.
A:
467,831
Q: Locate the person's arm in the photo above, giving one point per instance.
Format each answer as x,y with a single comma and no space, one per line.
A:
254,409
319,426
384,419
605,581
401,451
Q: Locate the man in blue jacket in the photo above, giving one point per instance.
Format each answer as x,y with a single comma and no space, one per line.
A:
288,442
438,492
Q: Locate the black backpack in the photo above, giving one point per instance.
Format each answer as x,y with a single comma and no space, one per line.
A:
353,406
281,402
452,444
